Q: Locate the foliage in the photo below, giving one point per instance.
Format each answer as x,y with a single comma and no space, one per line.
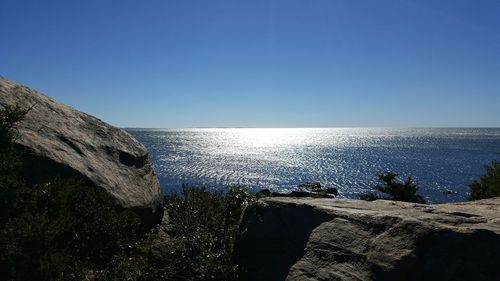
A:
370,197
10,164
203,225
488,185
237,198
9,117
398,191
58,230
10,187
66,229
201,231
70,230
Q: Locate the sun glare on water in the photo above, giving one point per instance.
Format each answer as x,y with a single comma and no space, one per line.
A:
269,137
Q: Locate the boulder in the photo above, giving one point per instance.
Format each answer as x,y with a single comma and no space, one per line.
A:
319,194
59,141
283,238
310,185
315,187
303,192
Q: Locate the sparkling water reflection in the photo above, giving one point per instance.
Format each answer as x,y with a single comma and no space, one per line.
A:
348,159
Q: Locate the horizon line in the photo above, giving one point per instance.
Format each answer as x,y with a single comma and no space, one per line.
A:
228,127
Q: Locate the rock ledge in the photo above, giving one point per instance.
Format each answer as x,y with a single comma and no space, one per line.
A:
339,239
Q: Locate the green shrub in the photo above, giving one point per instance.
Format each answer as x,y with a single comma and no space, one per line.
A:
370,197
60,230
203,225
11,189
398,191
66,230
10,186
70,230
488,185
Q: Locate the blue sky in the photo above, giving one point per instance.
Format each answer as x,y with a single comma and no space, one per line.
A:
282,63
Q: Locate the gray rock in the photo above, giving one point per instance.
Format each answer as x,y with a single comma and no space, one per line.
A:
323,193
334,239
331,190
315,189
59,141
310,186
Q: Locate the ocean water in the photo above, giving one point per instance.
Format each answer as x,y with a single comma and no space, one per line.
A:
440,160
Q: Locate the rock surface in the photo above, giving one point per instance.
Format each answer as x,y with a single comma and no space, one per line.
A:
340,239
323,193
307,189
314,185
59,141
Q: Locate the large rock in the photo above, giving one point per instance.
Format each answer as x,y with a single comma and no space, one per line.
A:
335,239
60,141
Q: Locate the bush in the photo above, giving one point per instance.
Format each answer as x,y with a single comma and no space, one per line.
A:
488,185
398,191
11,189
70,230
10,164
55,231
203,225
66,230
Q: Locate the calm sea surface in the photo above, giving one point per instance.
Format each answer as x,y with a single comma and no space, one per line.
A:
440,160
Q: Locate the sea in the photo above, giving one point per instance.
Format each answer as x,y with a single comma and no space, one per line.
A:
442,161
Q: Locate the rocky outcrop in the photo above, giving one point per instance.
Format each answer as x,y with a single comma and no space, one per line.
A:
310,185
323,193
339,239
59,141
307,189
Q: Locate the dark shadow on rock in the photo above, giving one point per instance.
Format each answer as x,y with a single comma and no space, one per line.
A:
131,160
448,255
72,144
37,169
272,239
149,218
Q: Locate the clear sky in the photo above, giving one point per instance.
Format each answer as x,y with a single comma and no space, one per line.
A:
261,63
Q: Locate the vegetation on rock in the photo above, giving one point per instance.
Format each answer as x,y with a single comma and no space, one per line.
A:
488,185
70,230
10,164
398,191
64,230
202,229
58,230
